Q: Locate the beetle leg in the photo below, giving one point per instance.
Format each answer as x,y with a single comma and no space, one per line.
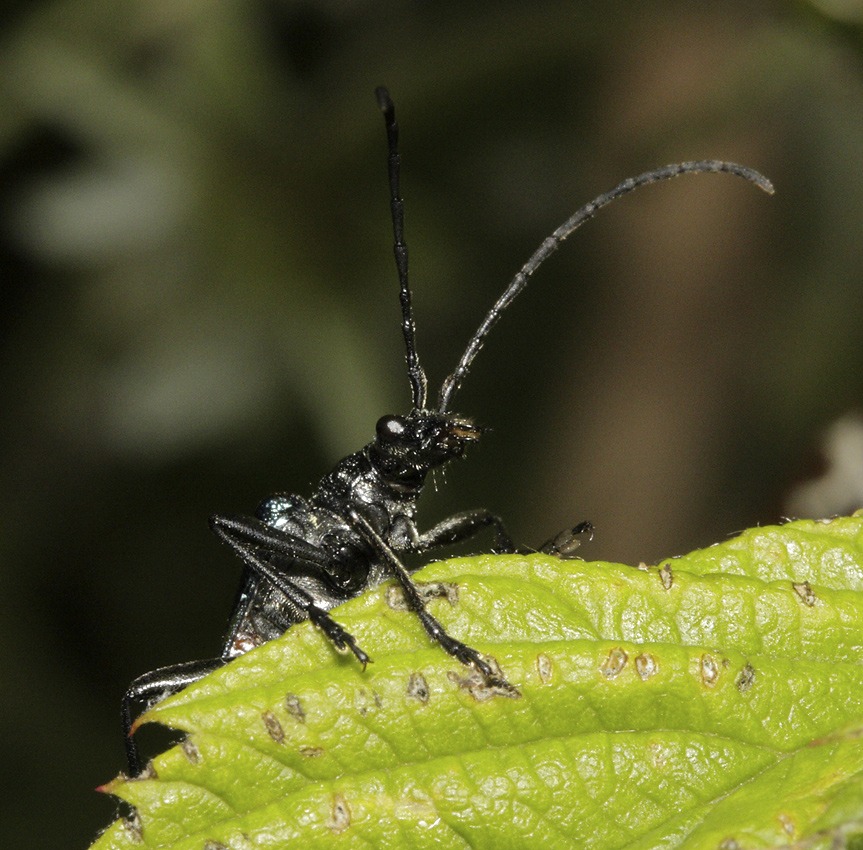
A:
251,531
462,526
564,544
248,537
433,628
154,686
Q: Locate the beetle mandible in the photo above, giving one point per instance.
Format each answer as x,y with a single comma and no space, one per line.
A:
302,557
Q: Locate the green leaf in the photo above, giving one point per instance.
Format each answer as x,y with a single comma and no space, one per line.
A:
712,701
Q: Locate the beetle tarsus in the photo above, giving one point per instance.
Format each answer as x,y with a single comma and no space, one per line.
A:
565,544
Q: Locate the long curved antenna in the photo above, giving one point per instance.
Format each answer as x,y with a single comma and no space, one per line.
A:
550,245
419,382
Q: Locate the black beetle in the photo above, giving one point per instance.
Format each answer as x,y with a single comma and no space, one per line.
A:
303,557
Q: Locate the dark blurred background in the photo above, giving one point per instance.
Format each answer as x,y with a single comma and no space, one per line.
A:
199,301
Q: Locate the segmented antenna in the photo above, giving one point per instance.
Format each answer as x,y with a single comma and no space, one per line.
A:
419,382
550,245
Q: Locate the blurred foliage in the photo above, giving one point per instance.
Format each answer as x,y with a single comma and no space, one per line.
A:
199,297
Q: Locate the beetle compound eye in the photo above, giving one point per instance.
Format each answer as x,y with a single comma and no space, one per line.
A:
391,428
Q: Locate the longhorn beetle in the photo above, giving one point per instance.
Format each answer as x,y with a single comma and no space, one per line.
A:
302,557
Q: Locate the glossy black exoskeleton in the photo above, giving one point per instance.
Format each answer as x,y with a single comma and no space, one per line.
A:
302,557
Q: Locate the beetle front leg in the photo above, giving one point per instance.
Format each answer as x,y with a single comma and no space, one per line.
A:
461,651
458,527
565,544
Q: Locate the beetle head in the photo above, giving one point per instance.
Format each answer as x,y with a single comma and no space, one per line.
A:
407,448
